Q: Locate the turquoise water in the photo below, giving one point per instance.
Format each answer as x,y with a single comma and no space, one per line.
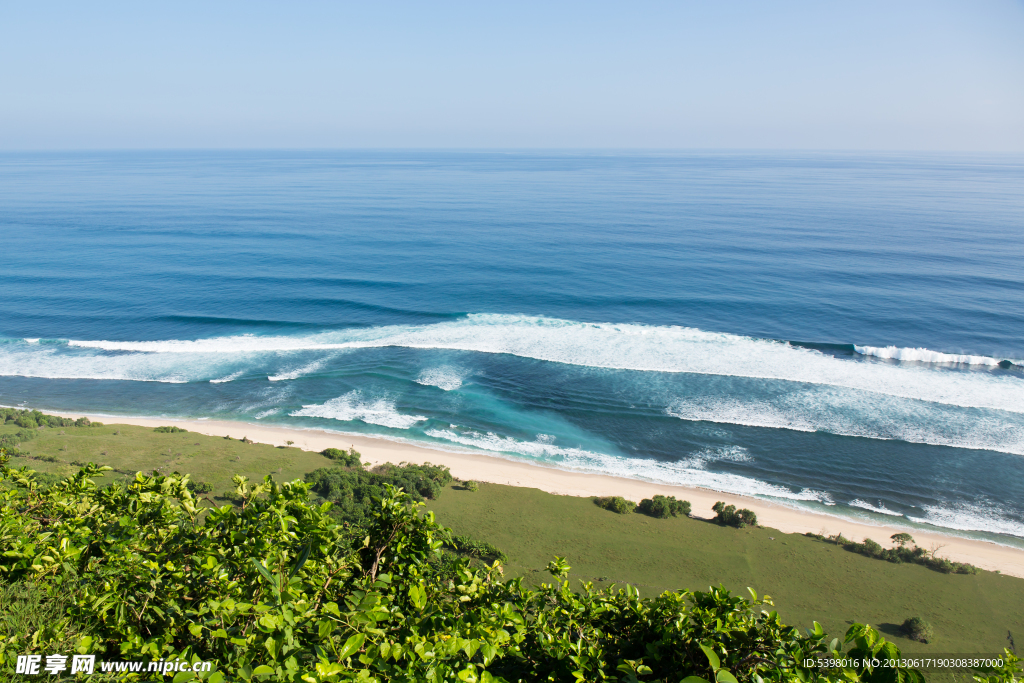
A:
838,332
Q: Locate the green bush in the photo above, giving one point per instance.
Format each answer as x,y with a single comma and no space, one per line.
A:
349,458
471,485
728,515
169,430
13,415
352,490
12,441
276,590
664,507
918,629
616,504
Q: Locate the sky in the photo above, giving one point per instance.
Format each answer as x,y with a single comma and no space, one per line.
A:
825,75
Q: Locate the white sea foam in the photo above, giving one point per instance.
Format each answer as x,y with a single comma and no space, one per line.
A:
857,413
700,459
230,378
921,355
265,413
352,406
445,377
880,508
626,346
307,369
967,517
683,473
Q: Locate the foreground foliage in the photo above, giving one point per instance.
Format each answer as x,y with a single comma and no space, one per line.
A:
278,589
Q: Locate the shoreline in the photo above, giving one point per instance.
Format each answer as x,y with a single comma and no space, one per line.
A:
497,470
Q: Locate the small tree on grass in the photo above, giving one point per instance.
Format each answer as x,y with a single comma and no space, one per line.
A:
471,485
901,539
730,516
616,504
918,629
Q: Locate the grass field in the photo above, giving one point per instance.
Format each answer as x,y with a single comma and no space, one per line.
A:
809,580
129,449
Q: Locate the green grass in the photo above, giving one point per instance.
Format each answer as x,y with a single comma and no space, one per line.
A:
808,579
212,459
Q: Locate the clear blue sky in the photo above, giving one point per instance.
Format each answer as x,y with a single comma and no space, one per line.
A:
894,75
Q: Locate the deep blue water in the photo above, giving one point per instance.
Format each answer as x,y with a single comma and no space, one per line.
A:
820,329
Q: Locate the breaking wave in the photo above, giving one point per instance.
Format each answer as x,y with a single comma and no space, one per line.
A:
880,509
687,472
352,406
920,355
598,345
445,377
971,517
854,413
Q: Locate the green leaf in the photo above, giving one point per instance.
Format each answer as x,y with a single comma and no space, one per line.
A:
351,645
301,561
262,670
693,679
712,657
723,676
183,676
264,571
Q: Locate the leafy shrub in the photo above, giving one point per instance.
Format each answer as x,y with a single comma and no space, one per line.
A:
901,553
730,516
12,415
615,504
352,490
664,507
349,458
169,430
471,485
317,601
12,441
918,629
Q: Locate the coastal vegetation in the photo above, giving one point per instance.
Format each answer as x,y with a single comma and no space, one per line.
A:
904,551
728,515
917,628
349,458
664,507
276,589
616,504
810,580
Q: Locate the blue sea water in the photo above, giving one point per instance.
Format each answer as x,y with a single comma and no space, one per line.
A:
842,333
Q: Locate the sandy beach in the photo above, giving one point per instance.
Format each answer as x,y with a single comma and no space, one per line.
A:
489,468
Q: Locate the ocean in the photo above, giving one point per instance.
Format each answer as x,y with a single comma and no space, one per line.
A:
842,333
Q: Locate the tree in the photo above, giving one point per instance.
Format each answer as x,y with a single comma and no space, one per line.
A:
901,539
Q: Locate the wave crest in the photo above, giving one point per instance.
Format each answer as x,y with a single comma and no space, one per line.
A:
352,406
